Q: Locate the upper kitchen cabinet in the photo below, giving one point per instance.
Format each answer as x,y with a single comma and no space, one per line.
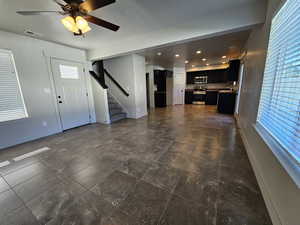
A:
233,71
190,76
217,76
213,76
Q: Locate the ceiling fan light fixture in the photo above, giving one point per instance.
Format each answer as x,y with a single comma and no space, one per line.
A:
70,24
81,23
86,29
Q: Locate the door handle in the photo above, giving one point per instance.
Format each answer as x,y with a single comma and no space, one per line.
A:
59,101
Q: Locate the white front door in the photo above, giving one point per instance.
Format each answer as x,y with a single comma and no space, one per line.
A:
71,93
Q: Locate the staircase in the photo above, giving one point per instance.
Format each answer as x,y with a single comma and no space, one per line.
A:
116,112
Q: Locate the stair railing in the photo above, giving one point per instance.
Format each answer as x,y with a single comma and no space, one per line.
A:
116,83
100,81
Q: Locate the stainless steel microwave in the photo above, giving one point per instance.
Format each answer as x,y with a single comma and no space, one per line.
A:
200,80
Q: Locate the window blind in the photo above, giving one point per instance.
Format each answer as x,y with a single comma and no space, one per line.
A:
279,108
12,105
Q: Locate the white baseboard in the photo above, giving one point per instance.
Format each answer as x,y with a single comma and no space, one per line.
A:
265,192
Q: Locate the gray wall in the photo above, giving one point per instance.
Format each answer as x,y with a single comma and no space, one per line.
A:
130,72
280,192
32,59
150,70
139,68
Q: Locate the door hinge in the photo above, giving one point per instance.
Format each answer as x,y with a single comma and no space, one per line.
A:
84,70
87,94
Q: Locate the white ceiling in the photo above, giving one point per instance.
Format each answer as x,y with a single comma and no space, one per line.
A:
144,23
212,49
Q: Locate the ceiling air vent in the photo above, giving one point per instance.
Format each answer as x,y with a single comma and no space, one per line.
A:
31,33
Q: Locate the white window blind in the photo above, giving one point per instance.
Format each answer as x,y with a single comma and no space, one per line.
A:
279,109
12,105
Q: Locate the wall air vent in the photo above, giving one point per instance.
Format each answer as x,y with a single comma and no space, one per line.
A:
32,34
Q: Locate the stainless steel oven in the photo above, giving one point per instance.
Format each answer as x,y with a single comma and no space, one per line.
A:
199,97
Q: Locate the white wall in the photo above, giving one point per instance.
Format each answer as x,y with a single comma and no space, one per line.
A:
139,68
280,192
170,87
32,59
179,81
150,70
100,102
129,71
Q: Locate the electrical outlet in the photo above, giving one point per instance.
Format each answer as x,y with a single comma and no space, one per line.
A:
45,124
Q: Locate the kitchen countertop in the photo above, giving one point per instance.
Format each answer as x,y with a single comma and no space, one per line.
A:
221,90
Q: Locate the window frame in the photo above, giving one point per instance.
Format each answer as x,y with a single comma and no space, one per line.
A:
283,155
10,52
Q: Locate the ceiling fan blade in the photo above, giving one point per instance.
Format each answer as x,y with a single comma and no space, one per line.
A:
74,1
36,13
91,5
101,23
58,2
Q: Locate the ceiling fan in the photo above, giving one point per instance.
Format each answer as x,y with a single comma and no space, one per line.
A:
77,15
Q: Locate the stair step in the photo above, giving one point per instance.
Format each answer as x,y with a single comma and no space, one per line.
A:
113,102
114,105
115,111
117,117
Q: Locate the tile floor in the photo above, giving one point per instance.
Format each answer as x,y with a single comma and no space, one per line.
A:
182,165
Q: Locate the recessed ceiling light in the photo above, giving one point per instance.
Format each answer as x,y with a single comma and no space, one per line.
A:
186,61
204,59
177,55
224,57
159,53
198,52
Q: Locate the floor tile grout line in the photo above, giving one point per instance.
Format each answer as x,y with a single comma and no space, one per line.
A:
13,186
166,206
21,199
22,167
218,192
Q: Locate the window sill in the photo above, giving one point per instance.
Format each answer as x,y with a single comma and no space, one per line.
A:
291,166
9,122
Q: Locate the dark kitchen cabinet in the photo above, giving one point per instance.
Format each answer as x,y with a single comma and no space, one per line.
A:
189,96
213,76
233,70
160,79
211,98
217,76
226,103
189,78
160,99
